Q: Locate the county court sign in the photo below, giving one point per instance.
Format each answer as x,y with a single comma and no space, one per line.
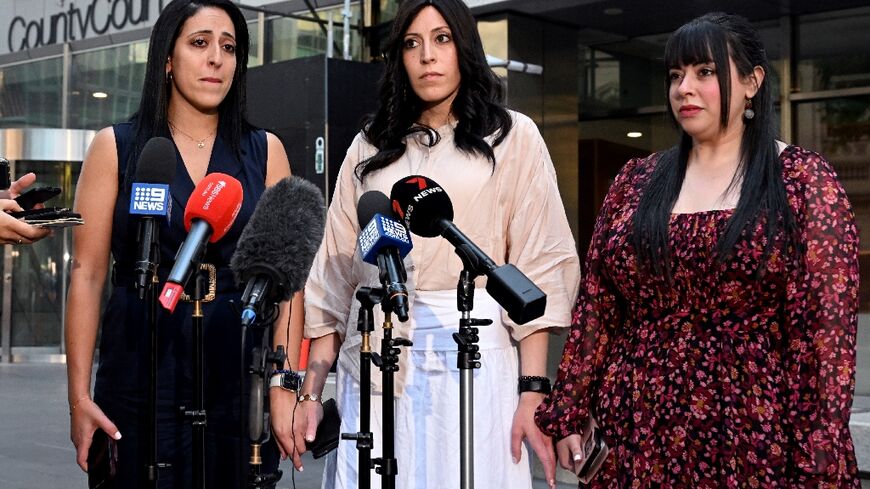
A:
30,24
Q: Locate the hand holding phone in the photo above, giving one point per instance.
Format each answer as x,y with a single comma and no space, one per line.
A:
102,460
595,451
328,431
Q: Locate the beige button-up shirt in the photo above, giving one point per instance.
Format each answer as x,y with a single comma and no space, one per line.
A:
513,212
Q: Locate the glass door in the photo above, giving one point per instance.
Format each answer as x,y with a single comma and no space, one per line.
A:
36,276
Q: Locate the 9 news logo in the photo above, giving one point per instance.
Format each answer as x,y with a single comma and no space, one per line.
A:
150,199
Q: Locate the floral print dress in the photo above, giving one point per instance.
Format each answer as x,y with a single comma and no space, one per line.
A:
720,378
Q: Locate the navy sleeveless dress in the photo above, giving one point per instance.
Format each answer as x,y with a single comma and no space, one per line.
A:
122,379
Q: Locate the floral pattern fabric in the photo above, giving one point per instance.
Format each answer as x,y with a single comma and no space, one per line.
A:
720,378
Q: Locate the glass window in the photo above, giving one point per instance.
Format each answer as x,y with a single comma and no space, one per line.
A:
629,75
494,35
839,129
39,271
388,10
106,84
254,36
30,94
288,38
623,75
829,50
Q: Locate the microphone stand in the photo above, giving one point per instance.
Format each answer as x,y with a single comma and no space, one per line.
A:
368,297
146,286
467,360
258,419
197,415
388,362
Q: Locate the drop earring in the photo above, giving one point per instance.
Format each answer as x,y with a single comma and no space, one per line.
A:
748,113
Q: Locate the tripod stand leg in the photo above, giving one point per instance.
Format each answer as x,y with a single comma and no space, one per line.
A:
466,428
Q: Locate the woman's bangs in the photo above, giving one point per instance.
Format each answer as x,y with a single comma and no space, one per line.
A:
690,45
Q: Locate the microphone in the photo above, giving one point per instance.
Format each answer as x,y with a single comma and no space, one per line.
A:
384,242
277,246
5,176
209,214
149,198
428,212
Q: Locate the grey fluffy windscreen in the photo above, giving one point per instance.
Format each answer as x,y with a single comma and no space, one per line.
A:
156,162
283,233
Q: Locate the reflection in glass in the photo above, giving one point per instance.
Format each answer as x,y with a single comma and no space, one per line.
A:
39,270
829,56
620,75
30,94
494,35
118,72
254,36
288,38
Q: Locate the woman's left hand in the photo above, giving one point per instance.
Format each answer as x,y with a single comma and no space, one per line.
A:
524,427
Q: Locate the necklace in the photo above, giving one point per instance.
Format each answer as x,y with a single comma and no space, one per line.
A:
200,143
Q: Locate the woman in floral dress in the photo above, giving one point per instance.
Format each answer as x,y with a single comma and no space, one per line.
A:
714,337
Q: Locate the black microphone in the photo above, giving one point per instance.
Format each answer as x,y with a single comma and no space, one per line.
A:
150,199
277,247
427,211
5,176
384,242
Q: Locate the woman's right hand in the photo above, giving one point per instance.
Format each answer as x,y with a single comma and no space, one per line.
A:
309,414
85,419
570,450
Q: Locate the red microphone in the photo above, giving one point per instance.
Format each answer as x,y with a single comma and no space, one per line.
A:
209,214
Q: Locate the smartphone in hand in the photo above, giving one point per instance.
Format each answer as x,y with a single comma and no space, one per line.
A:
102,460
595,451
36,195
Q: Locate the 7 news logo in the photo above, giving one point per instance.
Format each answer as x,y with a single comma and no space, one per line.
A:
150,199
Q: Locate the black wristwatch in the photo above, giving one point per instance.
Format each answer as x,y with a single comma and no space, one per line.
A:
533,383
287,380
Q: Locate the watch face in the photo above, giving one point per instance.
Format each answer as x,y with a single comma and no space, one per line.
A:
291,381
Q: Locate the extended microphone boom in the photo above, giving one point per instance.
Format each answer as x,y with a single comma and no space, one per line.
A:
428,212
277,246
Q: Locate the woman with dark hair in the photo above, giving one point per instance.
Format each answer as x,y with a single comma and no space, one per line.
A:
441,115
194,93
714,337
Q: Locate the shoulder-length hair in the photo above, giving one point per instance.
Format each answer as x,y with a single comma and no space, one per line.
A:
478,106
152,119
715,37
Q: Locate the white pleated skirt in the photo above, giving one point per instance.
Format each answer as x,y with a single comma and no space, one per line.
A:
427,441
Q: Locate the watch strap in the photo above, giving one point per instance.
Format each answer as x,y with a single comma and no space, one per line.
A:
534,383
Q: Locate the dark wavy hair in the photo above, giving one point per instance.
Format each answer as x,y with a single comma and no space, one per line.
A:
151,119
478,106
715,37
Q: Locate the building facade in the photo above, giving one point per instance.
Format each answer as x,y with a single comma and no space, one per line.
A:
68,68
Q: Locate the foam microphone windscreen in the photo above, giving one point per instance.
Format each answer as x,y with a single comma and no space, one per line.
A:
422,204
156,162
216,200
371,203
284,232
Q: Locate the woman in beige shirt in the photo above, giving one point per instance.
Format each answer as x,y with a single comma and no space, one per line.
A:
441,116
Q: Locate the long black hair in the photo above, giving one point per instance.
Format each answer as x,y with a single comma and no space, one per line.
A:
478,106
713,38
152,118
